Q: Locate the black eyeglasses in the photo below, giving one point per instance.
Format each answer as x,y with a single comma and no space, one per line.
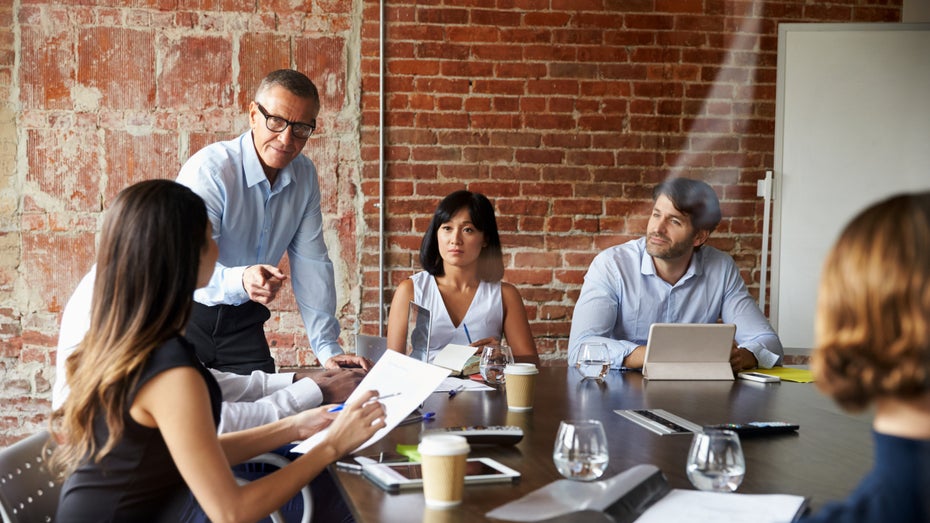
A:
276,124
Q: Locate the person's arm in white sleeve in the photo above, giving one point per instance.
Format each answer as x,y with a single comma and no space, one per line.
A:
595,315
314,283
296,397
225,285
753,331
258,384
75,322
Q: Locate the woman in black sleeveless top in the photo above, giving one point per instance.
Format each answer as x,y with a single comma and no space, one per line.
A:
139,426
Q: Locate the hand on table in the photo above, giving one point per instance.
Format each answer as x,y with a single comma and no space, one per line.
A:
347,361
742,359
336,384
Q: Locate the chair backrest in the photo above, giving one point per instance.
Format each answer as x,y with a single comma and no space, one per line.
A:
28,492
256,468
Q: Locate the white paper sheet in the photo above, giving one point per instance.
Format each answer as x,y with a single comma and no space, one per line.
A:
694,505
394,373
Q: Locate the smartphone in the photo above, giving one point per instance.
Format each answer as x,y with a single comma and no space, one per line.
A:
355,463
393,477
758,376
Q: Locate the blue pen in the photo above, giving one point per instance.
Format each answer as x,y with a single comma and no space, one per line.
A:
341,406
467,335
455,391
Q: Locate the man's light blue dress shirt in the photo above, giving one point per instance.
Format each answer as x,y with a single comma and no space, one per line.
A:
622,297
254,223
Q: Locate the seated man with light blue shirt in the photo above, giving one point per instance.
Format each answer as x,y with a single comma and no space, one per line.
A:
263,198
670,276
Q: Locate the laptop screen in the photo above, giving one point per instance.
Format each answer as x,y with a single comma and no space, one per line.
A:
418,332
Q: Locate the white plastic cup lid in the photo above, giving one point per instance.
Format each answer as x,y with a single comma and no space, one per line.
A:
443,445
521,368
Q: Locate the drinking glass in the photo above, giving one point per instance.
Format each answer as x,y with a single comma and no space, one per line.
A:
593,361
715,461
493,360
580,451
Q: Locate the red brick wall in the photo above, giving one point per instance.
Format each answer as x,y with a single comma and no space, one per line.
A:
96,97
564,112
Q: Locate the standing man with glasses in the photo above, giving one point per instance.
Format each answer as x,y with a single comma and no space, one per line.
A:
263,198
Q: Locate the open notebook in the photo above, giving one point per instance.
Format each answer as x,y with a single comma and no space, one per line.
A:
689,351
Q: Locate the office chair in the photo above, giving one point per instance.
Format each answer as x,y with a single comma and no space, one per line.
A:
28,492
278,461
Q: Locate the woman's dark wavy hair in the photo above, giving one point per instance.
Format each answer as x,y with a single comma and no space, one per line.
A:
147,265
491,261
873,308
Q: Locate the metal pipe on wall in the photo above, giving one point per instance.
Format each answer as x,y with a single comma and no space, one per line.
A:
380,204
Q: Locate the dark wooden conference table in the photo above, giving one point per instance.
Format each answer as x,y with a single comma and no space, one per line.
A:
824,460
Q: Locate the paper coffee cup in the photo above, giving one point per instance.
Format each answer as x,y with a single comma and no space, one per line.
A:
521,385
443,460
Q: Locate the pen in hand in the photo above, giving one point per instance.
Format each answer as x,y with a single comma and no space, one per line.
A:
341,406
467,335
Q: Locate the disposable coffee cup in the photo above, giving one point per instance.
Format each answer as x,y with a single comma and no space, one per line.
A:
521,385
443,457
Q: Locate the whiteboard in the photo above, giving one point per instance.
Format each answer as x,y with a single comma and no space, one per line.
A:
852,127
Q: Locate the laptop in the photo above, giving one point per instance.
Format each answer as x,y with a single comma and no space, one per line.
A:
371,347
689,351
418,332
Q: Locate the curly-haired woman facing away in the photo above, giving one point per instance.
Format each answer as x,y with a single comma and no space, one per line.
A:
139,426
873,346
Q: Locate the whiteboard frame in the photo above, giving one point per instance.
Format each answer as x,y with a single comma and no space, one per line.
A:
885,186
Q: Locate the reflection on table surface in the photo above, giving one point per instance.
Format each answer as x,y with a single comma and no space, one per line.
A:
824,460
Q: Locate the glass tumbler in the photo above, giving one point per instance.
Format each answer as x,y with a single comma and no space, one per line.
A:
580,451
494,358
715,461
593,361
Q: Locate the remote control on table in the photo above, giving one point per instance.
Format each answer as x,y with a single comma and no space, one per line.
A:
482,435
757,428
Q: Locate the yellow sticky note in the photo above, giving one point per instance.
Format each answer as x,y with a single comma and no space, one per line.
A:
789,374
410,451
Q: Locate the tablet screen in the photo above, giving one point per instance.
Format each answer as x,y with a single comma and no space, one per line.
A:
472,468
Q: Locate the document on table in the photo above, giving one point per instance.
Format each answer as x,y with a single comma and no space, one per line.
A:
407,381
694,505
460,385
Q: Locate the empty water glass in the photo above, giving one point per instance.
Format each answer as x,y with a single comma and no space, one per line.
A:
593,361
580,451
715,461
494,358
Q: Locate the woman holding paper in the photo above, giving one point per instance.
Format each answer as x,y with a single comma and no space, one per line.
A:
461,283
139,425
873,346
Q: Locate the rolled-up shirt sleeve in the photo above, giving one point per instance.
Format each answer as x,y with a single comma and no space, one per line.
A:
296,397
753,331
